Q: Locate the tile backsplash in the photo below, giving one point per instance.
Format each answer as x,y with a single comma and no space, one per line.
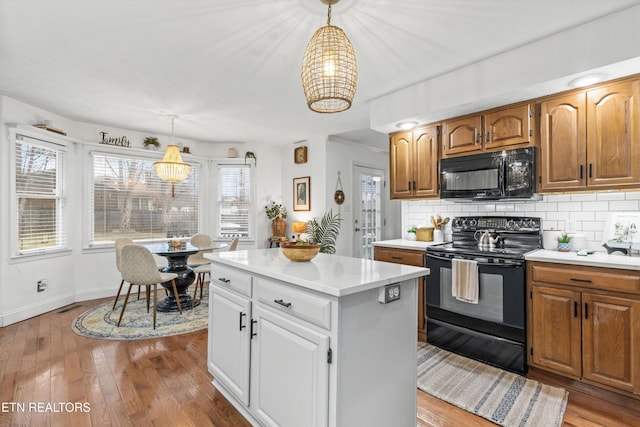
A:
583,213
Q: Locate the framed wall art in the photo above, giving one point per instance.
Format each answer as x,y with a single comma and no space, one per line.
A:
300,155
302,193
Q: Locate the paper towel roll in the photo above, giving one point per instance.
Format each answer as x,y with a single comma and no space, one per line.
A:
549,238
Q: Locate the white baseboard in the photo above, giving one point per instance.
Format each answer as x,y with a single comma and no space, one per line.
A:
26,312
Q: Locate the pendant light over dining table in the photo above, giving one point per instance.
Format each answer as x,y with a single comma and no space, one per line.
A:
171,168
329,72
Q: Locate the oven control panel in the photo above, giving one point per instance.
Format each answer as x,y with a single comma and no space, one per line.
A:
500,223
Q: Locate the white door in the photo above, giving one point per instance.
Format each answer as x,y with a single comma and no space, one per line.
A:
290,372
229,340
368,217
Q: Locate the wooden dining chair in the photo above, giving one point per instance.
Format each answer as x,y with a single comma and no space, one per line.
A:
201,270
139,269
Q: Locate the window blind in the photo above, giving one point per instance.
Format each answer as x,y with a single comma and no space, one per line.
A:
39,185
234,200
129,200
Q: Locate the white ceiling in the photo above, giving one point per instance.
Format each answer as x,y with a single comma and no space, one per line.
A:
230,69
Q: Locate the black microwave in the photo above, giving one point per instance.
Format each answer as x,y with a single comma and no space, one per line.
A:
507,174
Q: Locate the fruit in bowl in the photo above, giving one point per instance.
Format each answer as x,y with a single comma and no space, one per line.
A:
300,251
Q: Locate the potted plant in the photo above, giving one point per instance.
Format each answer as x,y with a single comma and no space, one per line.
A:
151,142
564,242
411,233
277,213
251,155
325,233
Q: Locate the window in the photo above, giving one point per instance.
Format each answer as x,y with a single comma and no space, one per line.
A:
128,199
234,201
39,196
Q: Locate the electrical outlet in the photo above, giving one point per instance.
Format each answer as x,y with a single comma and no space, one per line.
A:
41,285
389,293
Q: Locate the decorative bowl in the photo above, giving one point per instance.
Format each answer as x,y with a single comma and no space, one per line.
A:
299,253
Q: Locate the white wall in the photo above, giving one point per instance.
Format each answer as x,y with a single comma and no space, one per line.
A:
84,273
342,157
583,213
608,44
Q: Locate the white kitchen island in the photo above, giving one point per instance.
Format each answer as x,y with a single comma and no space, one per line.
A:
310,344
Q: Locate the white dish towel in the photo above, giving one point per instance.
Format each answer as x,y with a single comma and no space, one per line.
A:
464,278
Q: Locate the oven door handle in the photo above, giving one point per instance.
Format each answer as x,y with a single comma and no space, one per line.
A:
512,264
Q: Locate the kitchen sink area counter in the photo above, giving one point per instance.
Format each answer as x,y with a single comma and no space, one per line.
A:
336,335
596,259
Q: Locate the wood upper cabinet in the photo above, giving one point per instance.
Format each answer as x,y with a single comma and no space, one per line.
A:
563,142
613,149
585,323
493,130
590,139
413,157
462,135
509,126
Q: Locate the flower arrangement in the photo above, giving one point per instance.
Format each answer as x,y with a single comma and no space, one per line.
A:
438,222
276,210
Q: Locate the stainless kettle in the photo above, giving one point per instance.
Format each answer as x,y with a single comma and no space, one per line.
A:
485,241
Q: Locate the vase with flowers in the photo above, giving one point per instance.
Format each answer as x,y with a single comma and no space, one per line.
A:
276,212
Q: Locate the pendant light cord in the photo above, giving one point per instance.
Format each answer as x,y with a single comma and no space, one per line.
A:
329,15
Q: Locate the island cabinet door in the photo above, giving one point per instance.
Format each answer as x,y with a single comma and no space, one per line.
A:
611,341
229,340
290,372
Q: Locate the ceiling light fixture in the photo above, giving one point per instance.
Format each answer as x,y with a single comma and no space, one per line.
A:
587,80
407,125
329,72
171,168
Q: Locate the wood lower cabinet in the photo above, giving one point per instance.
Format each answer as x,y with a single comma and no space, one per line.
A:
591,139
580,328
413,157
409,257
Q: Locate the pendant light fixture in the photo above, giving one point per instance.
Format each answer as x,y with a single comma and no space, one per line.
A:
329,72
171,168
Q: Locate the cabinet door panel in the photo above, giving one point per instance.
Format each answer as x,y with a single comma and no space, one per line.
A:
563,142
510,126
289,391
400,165
462,135
611,342
613,152
556,329
425,166
229,343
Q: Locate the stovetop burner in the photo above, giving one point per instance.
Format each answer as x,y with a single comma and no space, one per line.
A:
515,236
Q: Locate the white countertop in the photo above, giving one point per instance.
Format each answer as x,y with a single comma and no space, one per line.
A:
329,274
597,259
406,244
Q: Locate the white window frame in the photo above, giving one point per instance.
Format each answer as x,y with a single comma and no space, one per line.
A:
105,150
216,206
63,216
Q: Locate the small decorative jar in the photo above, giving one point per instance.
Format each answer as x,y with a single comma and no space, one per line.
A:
438,236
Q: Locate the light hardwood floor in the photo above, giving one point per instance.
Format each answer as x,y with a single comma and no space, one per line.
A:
164,382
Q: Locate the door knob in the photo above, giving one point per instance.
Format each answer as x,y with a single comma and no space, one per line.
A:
356,229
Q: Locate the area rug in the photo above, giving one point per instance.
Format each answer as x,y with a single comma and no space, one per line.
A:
102,322
505,398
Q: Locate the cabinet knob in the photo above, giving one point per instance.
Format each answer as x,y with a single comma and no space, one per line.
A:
281,302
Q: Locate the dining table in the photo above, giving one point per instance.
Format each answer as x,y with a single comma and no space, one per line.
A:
177,257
